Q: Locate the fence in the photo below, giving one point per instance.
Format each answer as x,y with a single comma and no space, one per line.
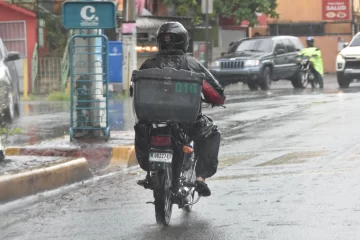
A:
310,29
49,75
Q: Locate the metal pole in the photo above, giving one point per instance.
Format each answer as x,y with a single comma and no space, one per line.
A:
25,71
207,34
352,18
37,85
129,43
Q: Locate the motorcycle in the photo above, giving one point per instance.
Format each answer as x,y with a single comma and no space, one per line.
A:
306,73
169,100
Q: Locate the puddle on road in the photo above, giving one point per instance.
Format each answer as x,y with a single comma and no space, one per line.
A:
354,157
236,159
248,176
318,103
293,158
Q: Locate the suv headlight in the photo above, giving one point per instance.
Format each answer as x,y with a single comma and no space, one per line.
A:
251,63
340,58
215,64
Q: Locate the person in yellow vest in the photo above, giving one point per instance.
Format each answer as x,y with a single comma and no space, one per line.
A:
315,58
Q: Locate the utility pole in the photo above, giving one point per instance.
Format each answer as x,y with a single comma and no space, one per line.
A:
129,42
37,85
207,34
206,8
352,18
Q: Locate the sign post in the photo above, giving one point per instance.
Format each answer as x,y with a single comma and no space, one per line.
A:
89,66
206,8
129,42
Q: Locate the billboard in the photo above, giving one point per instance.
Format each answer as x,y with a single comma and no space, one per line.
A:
336,10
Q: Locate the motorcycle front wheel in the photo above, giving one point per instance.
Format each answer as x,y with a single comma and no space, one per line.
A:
301,80
162,195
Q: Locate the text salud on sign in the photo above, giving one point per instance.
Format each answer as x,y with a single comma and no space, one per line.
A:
336,10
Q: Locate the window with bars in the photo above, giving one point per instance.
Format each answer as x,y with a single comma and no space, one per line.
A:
142,37
13,35
297,29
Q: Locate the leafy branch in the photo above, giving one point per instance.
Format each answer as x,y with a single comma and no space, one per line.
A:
56,35
238,9
5,133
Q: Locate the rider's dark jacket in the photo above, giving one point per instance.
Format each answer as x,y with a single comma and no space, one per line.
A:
204,132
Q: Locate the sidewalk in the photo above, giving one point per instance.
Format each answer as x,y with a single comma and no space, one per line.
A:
97,152
31,169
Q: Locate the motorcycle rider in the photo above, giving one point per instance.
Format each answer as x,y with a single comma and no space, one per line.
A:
316,60
173,41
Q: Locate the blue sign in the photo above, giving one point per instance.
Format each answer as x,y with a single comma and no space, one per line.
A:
89,15
115,51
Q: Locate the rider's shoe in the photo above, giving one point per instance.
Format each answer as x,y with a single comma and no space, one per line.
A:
146,183
202,189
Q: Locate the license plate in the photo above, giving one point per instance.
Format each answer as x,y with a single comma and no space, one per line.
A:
161,157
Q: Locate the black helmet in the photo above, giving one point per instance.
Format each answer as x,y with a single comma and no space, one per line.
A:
310,41
172,36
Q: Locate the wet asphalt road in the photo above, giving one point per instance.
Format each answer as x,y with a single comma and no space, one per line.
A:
289,169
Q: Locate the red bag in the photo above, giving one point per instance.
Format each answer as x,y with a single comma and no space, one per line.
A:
211,95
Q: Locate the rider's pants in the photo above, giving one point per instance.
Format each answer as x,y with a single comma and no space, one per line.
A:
205,135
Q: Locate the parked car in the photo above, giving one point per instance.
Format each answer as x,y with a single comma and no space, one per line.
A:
348,62
259,61
9,84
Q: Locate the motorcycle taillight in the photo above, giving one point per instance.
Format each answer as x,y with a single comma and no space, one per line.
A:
160,141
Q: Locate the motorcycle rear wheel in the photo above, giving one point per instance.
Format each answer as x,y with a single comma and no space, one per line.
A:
162,195
314,84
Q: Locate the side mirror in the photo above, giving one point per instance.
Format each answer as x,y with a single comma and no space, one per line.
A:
12,56
345,44
280,51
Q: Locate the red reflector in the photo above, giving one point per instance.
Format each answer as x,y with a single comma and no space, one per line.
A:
161,141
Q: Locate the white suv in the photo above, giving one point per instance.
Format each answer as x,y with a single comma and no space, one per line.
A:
348,62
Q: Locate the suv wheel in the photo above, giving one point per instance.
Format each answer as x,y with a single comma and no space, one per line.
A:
253,86
265,80
300,80
343,81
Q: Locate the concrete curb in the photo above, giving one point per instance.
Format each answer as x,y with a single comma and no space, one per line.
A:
123,156
97,157
28,183
107,156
